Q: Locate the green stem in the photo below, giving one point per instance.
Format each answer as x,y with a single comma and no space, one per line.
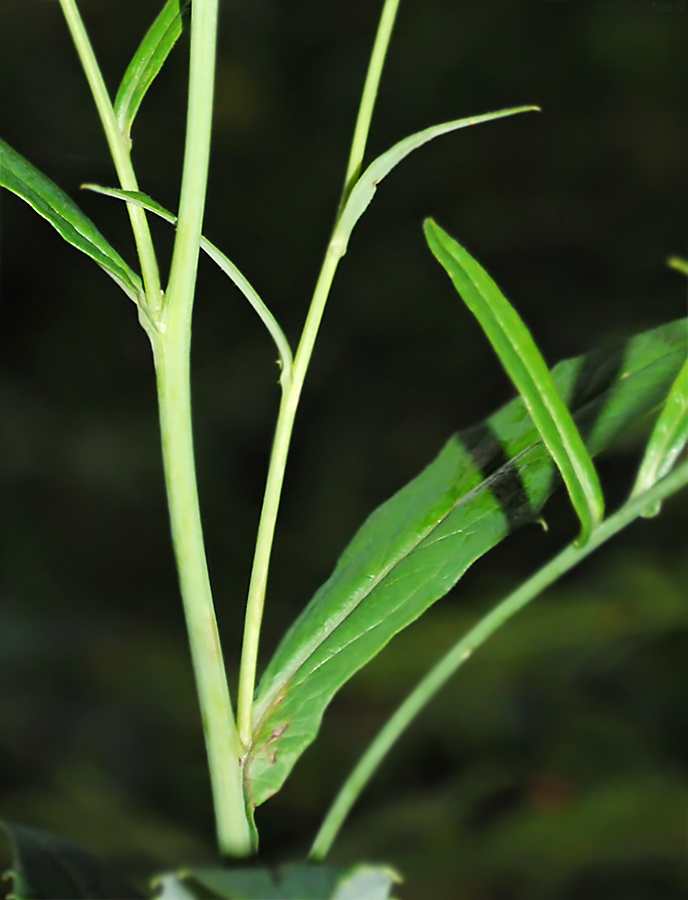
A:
119,151
172,347
255,603
443,670
273,491
369,96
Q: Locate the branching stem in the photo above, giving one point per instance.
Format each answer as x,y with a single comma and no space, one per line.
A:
443,670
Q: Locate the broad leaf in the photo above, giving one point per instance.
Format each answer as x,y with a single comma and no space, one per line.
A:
523,362
235,275
288,882
26,181
147,62
668,438
364,190
414,548
47,867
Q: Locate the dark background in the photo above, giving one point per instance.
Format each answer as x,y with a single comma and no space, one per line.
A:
556,764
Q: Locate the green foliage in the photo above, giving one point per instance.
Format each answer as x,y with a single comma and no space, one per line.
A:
47,867
527,369
289,882
147,62
26,181
414,548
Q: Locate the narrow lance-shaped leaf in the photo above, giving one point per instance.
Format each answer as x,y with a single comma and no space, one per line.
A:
227,266
487,481
668,438
18,175
147,62
527,369
364,190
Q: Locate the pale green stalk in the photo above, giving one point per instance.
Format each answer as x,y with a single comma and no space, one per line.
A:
442,671
292,391
172,351
369,96
119,151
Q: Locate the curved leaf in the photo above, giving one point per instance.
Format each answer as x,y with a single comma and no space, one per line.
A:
412,550
364,190
18,175
147,62
524,364
235,275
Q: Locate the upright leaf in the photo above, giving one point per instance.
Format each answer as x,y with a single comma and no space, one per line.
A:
527,369
487,481
147,62
364,190
668,438
26,181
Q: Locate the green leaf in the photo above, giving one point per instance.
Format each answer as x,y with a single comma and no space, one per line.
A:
668,438
147,62
364,190
227,266
288,882
487,481
26,181
47,867
524,364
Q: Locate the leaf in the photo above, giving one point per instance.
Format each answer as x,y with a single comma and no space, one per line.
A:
668,439
518,353
486,481
47,867
364,190
289,882
26,181
227,266
678,263
147,62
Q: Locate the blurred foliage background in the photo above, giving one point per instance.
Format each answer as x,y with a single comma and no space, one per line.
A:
556,764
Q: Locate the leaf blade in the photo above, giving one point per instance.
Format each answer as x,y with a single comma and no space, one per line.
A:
363,191
148,61
518,353
22,178
485,482
668,437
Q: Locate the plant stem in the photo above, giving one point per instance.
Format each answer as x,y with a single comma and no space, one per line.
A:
273,490
369,96
172,368
119,151
442,671
292,391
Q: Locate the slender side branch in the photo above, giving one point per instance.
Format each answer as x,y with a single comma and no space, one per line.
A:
292,391
119,151
442,671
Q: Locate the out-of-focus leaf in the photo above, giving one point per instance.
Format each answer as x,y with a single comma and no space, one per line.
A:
26,181
47,867
668,438
364,190
523,362
147,62
288,882
413,549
